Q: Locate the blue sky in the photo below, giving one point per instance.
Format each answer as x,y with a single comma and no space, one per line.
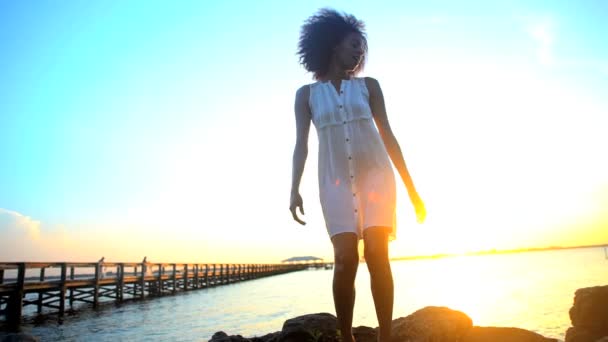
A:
174,121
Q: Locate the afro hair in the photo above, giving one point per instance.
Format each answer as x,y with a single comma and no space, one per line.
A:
321,33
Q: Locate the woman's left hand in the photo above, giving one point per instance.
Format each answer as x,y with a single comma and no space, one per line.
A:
419,207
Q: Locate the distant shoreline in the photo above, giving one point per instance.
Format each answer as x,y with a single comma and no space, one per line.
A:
494,251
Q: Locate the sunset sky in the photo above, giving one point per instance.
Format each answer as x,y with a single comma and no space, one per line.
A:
166,129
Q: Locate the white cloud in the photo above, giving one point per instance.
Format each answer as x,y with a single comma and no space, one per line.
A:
23,238
16,223
19,235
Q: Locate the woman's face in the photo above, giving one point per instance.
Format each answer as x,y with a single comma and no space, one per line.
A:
350,52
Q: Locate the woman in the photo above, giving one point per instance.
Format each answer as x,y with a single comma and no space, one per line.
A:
356,180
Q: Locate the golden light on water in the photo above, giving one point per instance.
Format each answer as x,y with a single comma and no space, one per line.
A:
526,290
461,286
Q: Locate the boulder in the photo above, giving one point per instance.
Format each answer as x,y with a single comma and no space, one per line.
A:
431,324
319,327
590,309
574,334
19,337
499,334
589,315
365,334
272,337
221,336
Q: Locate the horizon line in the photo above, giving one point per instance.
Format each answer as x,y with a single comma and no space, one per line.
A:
496,251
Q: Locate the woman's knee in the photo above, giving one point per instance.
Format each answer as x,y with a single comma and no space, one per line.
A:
376,246
346,255
346,258
375,254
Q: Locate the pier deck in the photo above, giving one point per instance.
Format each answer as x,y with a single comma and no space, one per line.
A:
33,288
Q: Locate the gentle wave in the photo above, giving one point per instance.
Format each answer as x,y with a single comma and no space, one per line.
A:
532,290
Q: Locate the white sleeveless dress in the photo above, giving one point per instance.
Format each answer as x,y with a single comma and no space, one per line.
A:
356,179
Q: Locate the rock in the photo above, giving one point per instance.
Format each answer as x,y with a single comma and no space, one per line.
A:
431,324
574,334
589,315
313,327
221,336
272,337
499,334
365,334
590,309
20,337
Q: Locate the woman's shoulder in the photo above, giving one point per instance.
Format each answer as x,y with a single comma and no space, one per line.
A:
304,90
371,84
303,94
369,81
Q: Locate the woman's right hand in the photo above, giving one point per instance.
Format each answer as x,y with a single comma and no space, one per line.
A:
295,202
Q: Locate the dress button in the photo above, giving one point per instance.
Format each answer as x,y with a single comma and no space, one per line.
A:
340,106
347,140
344,122
351,176
350,158
354,194
355,210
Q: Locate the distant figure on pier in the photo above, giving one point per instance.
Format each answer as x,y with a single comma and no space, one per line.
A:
102,269
147,267
356,147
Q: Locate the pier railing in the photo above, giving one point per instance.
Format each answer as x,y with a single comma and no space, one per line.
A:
52,288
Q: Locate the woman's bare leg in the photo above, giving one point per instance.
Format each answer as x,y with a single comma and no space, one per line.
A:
346,261
376,258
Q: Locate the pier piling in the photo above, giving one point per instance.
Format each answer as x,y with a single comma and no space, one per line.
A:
56,287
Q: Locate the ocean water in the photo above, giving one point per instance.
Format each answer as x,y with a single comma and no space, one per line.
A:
532,290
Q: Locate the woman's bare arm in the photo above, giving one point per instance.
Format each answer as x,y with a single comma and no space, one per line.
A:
300,153
376,101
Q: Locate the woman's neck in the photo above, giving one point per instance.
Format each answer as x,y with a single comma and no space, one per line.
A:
336,73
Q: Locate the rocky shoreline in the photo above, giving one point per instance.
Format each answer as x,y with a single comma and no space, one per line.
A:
589,317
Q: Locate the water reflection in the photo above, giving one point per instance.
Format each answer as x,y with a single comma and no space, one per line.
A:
529,290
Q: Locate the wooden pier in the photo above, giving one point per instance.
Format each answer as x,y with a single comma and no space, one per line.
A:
28,288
